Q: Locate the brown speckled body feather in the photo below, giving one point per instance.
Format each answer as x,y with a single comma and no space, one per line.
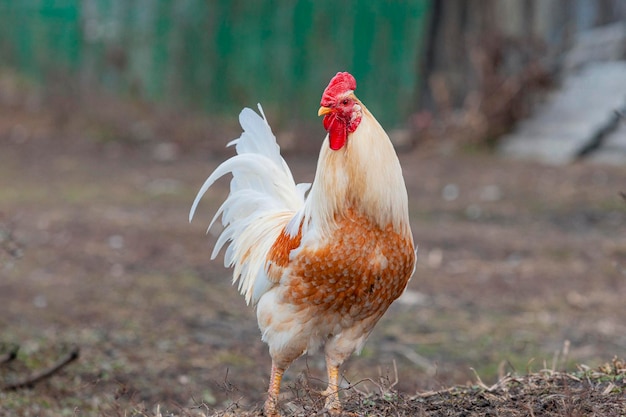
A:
357,274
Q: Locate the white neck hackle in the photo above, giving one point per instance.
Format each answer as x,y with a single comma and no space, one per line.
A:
365,175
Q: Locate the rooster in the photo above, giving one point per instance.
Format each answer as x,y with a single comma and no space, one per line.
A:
321,268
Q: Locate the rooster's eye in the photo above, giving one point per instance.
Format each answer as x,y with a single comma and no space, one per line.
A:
345,102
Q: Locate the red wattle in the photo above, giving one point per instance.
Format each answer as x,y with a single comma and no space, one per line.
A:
337,131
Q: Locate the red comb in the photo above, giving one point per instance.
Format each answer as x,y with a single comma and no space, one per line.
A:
340,83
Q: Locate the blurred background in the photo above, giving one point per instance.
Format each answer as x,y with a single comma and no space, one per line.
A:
217,56
508,117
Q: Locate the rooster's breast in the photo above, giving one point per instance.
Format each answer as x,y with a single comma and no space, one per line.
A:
355,275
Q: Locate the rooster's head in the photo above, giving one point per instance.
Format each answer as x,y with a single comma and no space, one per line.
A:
341,109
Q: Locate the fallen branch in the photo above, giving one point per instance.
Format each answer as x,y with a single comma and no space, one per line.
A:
46,373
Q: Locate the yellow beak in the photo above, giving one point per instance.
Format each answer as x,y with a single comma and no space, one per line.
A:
324,110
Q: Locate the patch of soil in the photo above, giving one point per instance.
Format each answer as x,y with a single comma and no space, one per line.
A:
516,261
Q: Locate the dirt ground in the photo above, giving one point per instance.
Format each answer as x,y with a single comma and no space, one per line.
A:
522,268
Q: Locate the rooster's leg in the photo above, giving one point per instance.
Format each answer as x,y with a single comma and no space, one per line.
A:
270,408
332,391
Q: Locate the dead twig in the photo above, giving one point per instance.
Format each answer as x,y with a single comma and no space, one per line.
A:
429,394
46,373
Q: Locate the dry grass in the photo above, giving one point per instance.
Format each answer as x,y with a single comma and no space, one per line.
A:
586,392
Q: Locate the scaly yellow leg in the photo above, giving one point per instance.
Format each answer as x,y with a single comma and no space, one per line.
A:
332,391
270,409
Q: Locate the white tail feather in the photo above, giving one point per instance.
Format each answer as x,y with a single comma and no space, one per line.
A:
263,199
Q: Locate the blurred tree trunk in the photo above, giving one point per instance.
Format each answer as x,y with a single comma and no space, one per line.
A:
488,61
511,31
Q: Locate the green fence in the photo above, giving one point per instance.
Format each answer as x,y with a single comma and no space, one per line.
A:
220,55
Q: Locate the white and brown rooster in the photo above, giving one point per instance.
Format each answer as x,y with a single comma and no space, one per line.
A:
321,268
